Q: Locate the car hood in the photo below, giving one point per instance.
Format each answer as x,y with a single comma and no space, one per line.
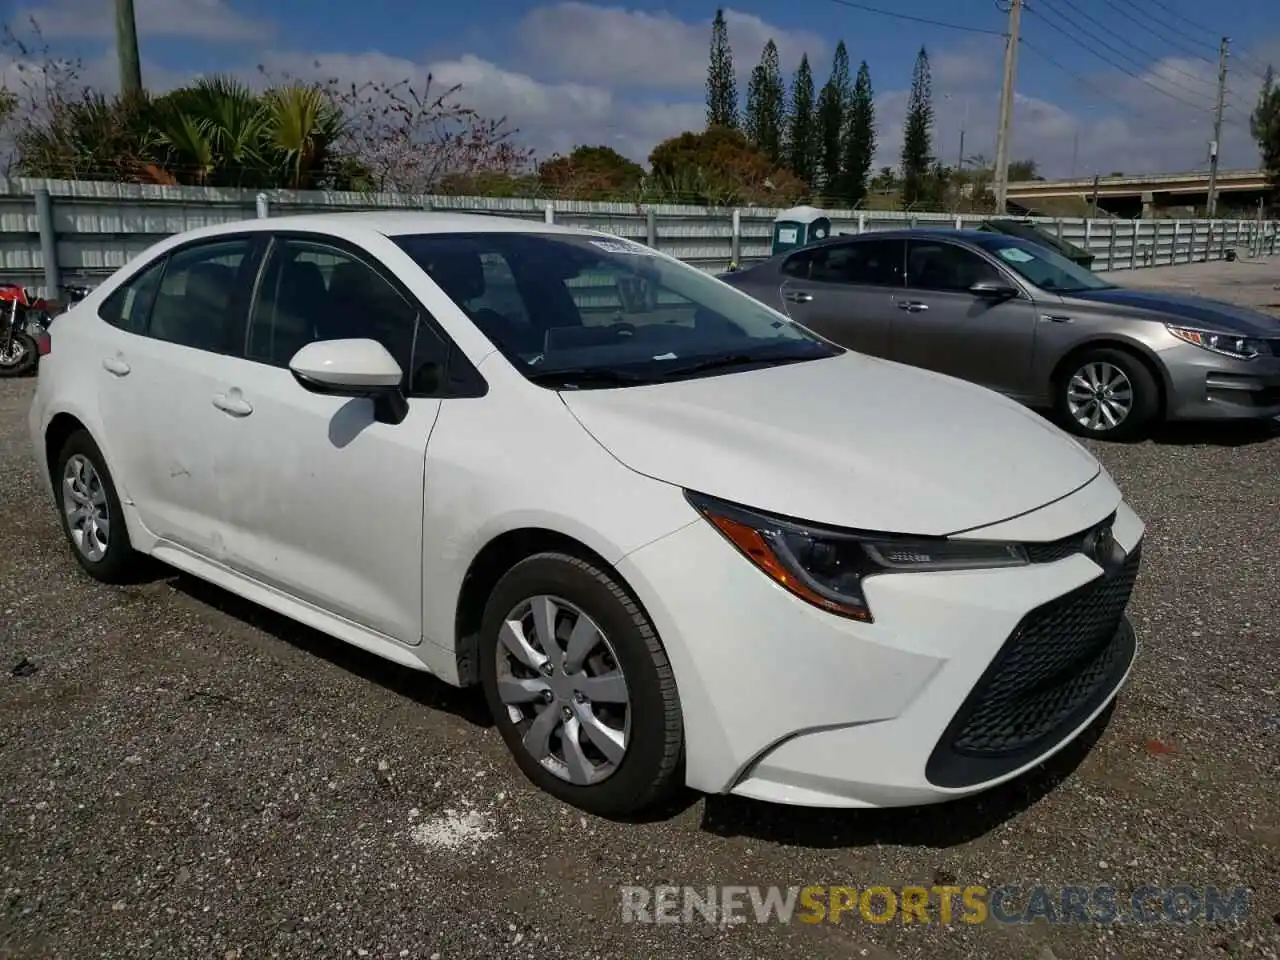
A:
851,441
1195,311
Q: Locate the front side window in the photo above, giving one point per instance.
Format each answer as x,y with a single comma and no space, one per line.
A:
1045,268
568,308
129,305
945,266
311,291
195,304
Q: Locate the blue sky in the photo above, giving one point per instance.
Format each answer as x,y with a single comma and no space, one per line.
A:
630,74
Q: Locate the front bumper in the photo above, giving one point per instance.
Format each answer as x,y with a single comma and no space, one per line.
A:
786,703
1205,386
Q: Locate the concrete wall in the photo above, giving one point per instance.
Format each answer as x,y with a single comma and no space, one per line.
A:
100,226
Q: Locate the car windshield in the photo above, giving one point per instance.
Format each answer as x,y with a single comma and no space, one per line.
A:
574,310
1047,269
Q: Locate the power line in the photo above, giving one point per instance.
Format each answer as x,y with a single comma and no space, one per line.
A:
925,20
1145,24
1257,69
1098,90
1160,4
1169,67
1150,24
1136,76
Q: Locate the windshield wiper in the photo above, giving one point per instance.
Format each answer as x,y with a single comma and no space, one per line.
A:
730,360
598,376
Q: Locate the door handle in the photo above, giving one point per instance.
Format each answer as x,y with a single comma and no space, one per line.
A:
115,366
1055,318
912,306
233,403
796,296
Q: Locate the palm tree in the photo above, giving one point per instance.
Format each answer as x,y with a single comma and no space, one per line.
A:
302,126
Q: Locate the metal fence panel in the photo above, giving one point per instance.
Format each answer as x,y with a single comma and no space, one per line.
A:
101,226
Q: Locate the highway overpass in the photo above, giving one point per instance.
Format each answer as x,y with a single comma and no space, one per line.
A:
1146,196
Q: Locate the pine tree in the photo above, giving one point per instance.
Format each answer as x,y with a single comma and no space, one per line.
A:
1264,124
722,85
917,134
800,128
765,103
859,138
831,106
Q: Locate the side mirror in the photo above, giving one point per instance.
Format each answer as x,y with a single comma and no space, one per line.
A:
994,290
353,368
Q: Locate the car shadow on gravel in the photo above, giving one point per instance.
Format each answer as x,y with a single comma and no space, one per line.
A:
937,826
416,685
1230,433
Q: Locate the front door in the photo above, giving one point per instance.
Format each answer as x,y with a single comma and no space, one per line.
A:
940,325
845,291
321,500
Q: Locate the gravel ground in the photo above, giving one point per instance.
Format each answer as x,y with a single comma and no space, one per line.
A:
183,775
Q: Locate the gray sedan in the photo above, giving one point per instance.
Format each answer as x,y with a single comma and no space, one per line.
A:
1021,319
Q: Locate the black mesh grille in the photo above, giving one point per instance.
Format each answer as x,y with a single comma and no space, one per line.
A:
1061,661
1060,549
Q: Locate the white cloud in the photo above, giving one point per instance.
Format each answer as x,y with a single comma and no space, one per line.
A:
210,20
551,116
629,78
618,47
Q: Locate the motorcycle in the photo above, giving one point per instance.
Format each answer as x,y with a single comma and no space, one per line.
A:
24,323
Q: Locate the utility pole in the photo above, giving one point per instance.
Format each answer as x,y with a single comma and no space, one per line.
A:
1095,196
1217,128
1006,107
963,123
127,50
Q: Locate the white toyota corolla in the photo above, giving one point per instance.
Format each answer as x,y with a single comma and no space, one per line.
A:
674,536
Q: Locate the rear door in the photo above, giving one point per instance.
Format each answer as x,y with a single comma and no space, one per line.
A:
179,325
940,325
845,291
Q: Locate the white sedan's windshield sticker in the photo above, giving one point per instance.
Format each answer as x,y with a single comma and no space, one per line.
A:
612,246
1014,255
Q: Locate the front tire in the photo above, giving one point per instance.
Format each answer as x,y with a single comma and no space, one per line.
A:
1106,394
19,356
580,686
89,508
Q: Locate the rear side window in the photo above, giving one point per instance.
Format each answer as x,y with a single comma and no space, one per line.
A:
874,263
129,306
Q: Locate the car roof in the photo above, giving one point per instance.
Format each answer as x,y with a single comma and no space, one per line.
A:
391,223
904,233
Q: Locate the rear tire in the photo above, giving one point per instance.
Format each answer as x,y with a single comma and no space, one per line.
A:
90,511
21,358
1106,394
559,710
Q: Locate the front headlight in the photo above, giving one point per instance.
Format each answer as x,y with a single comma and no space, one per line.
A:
827,567
1226,344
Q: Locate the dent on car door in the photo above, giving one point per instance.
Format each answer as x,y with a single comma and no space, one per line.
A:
178,323
321,499
845,291
941,325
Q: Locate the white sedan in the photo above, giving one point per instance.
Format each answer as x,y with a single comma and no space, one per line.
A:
675,537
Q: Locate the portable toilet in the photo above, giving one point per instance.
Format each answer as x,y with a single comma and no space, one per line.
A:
799,226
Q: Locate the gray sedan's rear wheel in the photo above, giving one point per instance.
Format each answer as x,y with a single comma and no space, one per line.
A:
1106,393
